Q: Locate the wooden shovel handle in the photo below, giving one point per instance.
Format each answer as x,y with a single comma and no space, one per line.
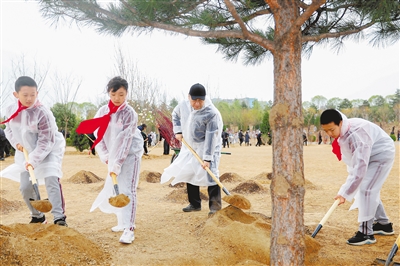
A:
114,178
30,168
207,169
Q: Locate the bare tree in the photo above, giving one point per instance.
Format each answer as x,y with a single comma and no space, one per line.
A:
23,66
64,89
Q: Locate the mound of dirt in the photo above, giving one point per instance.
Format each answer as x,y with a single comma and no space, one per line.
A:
249,187
7,206
309,185
178,185
263,176
48,244
230,177
180,196
244,238
84,177
151,177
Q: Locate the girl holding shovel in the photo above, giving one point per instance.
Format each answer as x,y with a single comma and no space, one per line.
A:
120,146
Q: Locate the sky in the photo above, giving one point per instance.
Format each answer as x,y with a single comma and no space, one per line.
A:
177,62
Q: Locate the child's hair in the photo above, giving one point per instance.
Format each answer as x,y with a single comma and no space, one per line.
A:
24,81
330,115
116,83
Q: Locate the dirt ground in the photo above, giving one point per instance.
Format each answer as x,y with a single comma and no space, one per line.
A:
167,236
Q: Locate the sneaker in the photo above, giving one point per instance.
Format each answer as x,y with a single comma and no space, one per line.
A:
1,159
212,212
41,220
61,222
191,208
360,239
127,237
117,228
7,155
383,229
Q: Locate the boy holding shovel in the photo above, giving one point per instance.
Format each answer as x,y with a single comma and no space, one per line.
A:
368,152
32,126
120,146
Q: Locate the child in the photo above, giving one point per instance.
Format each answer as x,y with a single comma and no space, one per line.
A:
32,126
369,155
120,145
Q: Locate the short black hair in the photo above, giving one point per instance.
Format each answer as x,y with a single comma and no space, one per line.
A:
24,81
116,83
329,116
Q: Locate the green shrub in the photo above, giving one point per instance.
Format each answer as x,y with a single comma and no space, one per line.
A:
69,142
393,136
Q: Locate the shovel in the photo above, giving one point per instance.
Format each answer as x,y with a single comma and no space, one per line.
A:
120,200
389,260
38,204
234,200
331,209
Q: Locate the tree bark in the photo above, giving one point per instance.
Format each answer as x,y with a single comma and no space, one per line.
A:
287,187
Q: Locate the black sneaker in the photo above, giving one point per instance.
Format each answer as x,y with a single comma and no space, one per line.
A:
360,239
191,208
383,229
41,220
61,222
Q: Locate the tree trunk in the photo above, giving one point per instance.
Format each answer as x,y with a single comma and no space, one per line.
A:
287,187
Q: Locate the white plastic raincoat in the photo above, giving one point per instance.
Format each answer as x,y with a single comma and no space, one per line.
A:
35,129
202,131
369,153
122,148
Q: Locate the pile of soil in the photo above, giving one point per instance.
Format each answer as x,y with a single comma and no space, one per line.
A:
249,187
7,206
230,178
180,196
263,176
178,185
151,177
84,177
244,238
27,244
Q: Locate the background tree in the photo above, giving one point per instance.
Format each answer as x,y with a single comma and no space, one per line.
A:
65,118
23,66
257,30
66,88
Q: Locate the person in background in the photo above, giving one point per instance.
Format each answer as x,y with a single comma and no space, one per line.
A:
162,132
247,138
225,138
32,127
92,139
241,137
120,146
199,122
142,129
369,153
305,139
3,142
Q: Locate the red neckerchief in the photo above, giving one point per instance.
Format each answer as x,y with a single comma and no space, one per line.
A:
336,149
20,108
101,123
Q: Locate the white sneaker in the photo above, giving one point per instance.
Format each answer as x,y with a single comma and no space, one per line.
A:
127,237
117,228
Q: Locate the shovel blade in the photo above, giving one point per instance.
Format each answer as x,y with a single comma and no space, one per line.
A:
384,262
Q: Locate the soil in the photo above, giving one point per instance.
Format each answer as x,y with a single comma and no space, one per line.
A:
167,236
